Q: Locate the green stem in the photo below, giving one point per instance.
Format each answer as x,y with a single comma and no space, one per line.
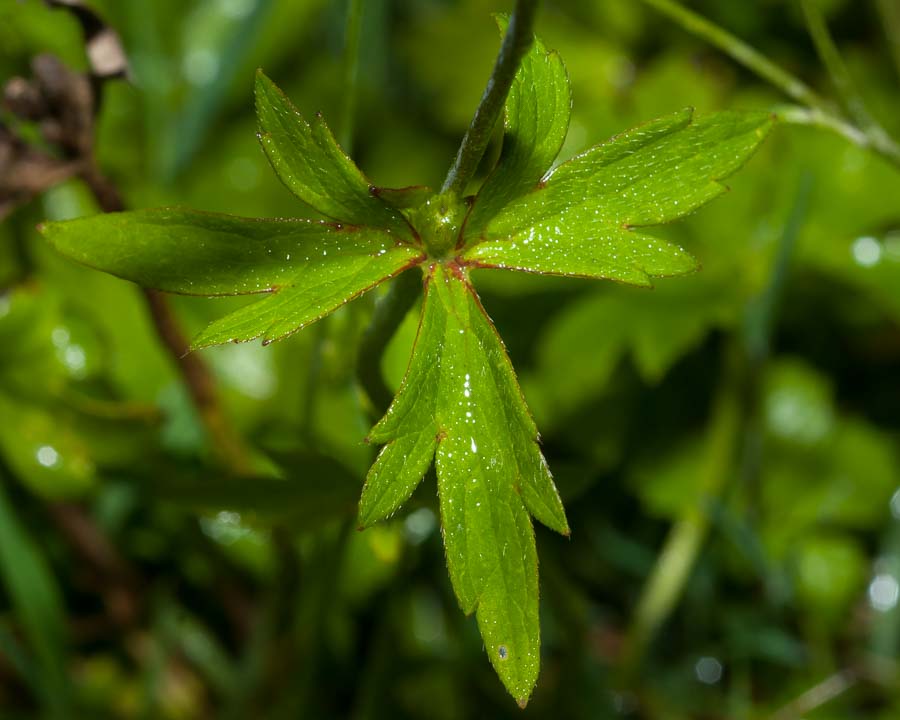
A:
820,694
682,546
816,111
740,51
875,140
391,310
759,320
313,606
350,83
389,313
831,58
516,42
850,98
319,335
890,19
800,115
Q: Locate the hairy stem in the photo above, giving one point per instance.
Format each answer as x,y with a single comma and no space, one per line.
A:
889,10
800,115
349,85
740,51
389,313
391,309
850,98
815,111
828,53
516,42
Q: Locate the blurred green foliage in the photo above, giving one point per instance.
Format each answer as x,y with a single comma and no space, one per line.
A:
192,593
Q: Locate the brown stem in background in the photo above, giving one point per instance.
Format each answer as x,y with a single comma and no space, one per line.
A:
114,579
193,369
65,104
108,60
200,384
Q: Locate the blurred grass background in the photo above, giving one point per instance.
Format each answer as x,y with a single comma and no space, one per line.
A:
738,427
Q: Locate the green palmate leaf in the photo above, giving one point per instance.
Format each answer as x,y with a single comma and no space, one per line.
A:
580,220
308,267
536,119
460,403
313,296
310,163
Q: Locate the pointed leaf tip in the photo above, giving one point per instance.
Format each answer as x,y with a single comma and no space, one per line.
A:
585,219
459,387
323,281
536,120
303,269
308,160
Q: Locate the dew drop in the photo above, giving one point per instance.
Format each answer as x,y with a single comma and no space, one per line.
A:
47,456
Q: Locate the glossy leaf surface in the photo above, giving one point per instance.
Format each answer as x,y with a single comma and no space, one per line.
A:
536,119
580,220
312,296
309,267
461,403
310,163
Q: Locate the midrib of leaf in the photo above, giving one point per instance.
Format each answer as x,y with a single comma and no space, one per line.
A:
460,404
601,181
288,310
516,414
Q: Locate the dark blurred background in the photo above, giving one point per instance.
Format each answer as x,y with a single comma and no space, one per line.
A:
726,444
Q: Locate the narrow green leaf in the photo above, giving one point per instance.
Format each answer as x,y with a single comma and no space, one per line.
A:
38,606
17,657
322,288
309,267
617,254
580,220
461,397
408,428
312,165
536,120
198,253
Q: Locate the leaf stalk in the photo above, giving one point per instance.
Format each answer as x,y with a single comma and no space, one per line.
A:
516,42
862,130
